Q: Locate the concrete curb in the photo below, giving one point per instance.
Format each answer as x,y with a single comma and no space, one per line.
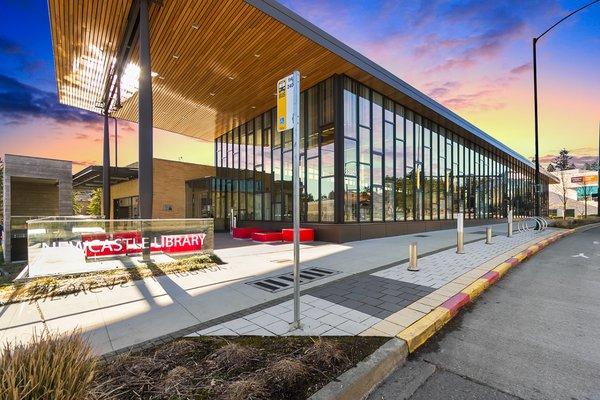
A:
358,382
419,332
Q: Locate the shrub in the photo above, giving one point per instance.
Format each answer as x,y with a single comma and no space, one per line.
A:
49,367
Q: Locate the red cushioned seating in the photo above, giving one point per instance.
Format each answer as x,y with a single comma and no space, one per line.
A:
267,236
306,235
244,233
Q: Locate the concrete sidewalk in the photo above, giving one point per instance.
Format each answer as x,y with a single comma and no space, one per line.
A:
115,318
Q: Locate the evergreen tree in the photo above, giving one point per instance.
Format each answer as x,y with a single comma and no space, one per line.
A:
563,162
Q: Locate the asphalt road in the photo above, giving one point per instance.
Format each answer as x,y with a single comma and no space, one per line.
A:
535,334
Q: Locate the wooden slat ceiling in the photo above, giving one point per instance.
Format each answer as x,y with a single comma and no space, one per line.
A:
217,62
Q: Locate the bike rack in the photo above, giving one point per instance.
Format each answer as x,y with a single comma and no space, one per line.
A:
539,224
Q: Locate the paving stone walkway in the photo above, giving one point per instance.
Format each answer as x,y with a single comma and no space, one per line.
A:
377,303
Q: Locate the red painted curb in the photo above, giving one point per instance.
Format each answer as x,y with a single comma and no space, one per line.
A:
456,302
512,261
491,276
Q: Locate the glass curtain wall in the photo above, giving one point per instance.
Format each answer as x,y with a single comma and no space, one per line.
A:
254,164
397,166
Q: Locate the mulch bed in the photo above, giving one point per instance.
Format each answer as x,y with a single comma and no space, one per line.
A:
240,368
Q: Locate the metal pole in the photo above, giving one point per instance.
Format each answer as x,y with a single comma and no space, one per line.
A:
460,233
537,153
145,146
488,235
296,197
412,257
510,223
598,165
106,169
116,144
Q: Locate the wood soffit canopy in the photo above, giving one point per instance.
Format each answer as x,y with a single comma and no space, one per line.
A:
215,63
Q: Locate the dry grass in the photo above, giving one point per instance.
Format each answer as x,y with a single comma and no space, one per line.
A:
287,376
326,353
246,389
61,367
38,288
234,358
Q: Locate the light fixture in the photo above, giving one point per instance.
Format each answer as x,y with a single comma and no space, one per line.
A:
212,93
256,55
231,77
175,56
253,107
161,77
195,26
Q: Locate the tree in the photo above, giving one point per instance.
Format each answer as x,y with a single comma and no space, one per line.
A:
95,206
593,166
77,206
550,168
563,162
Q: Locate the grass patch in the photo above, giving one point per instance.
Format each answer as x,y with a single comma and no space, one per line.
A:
43,287
238,368
570,223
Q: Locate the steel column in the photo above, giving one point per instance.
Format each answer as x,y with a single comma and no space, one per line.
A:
106,169
145,115
537,153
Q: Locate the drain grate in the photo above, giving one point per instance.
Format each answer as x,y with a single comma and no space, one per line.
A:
285,281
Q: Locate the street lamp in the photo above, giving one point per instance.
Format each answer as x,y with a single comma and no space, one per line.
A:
535,105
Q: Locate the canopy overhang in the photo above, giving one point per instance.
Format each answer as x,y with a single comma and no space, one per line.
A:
215,64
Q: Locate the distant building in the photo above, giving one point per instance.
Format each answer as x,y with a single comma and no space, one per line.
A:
574,185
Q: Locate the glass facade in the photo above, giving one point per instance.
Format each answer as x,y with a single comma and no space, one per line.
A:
387,162
254,164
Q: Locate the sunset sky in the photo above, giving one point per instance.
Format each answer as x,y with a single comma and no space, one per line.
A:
472,56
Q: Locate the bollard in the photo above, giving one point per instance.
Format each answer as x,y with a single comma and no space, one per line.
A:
412,257
460,234
488,235
510,223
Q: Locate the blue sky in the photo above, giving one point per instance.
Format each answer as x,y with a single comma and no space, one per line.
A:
472,56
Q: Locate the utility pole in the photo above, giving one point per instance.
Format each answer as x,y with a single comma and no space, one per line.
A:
537,193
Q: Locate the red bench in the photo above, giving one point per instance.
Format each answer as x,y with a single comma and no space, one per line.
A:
244,233
265,237
306,235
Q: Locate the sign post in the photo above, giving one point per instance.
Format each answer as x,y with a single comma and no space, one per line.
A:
288,117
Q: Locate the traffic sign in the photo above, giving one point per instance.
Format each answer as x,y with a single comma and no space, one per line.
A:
286,90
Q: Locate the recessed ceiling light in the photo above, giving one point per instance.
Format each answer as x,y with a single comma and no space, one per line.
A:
161,77
303,76
253,107
231,77
175,56
212,93
256,55
195,26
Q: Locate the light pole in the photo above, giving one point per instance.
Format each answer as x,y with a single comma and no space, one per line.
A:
535,106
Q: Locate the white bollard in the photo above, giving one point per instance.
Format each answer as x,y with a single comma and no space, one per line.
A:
460,233
412,257
510,223
488,235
